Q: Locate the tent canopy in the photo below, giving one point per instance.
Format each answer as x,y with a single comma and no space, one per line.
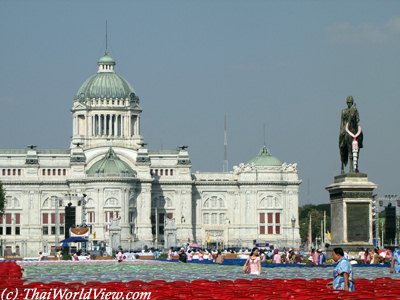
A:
74,239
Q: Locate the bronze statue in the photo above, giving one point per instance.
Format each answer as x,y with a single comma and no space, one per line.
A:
350,140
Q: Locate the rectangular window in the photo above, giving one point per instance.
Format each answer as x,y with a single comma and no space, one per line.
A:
161,229
171,172
59,172
53,218
161,218
8,172
262,218
131,217
1,230
45,230
53,230
262,229
64,172
8,218
4,172
45,218
62,230
166,172
19,172
161,172
54,172
278,229
270,215
222,219
44,172
17,231
277,218
62,218
8,230
17,218
214,219
14,172
91,218
48,172
206,218
156,172
270,229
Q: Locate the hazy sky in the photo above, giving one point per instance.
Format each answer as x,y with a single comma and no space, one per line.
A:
287,64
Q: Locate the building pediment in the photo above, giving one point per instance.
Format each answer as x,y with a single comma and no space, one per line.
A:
78,105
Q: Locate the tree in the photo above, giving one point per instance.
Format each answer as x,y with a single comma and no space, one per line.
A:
317,215
3,200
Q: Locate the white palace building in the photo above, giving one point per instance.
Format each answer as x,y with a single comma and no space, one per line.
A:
133,197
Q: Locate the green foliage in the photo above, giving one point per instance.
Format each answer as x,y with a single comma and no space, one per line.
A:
317,215
3,200
66,257
163,255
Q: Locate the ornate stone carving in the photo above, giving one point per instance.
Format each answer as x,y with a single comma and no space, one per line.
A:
243,168
289,167
349,194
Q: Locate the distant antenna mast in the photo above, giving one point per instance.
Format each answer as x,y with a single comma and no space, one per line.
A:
264,136
106,38
225,165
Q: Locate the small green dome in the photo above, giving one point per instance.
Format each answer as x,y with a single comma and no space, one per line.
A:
105,84
111,165
264,158
106,59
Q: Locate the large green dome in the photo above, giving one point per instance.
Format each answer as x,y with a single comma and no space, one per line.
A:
105,84
111,165
265,159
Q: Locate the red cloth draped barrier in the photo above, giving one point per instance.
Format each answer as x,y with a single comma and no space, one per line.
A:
256,288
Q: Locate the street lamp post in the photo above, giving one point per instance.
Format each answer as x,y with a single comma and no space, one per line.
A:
57,220
83,203
228,222
293,220
3,242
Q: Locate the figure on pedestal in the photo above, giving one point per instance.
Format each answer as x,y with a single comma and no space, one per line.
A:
350,137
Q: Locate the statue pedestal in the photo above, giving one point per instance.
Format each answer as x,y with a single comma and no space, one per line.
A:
351,211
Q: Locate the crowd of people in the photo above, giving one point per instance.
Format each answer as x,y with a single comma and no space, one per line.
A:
342,274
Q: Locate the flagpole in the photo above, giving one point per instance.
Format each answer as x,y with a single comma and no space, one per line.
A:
324,228
322,233
310,235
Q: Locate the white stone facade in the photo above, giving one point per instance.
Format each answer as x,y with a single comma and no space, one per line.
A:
252,202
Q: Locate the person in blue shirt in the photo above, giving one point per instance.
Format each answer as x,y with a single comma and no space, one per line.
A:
343,273
321,257
395,265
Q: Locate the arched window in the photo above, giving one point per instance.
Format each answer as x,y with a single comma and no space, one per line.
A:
168,202
90,202
15,203
111,202
46,203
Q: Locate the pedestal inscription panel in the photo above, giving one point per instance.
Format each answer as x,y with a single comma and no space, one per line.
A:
358,222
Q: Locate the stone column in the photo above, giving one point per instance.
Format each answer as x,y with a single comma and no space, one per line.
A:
351,211
144,214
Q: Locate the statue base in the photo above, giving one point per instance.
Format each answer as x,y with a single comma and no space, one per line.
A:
351,211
